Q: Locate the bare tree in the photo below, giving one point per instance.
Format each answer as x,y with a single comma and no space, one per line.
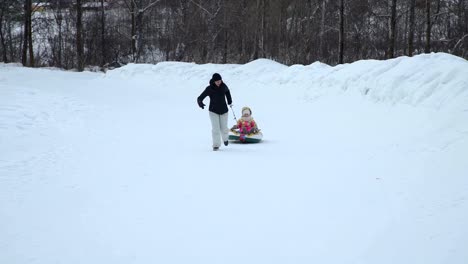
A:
213,32
138,10
27,40
57,44
27,17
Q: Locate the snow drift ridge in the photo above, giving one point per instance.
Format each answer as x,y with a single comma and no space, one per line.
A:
431,80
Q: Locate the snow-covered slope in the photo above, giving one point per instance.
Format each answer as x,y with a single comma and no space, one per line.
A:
361,163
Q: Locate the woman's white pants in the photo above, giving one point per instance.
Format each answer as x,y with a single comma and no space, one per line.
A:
219,128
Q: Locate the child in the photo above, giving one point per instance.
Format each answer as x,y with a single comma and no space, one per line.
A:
246,124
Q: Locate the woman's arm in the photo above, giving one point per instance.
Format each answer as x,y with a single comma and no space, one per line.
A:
200,98
228,96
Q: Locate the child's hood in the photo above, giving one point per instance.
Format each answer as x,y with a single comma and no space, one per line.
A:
246,108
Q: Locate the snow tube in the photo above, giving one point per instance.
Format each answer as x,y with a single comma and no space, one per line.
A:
234,135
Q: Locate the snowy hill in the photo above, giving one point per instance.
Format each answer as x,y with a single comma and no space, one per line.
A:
361,163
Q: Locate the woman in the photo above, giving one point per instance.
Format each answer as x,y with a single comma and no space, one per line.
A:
217,91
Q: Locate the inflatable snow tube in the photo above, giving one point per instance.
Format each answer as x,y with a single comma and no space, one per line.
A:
234,135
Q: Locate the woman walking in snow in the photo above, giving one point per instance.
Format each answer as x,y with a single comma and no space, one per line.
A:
218,93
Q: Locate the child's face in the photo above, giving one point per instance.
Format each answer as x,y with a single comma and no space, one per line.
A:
246,114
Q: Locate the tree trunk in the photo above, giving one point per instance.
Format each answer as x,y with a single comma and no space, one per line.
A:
103,36
59,55
30,42
262,29
463,7
139,34
79,35
322,30
225,46
2,37
259,35
310,35
427,48
242,41
411,28
133,30
341,34
59,21
10,40
27,17
391,50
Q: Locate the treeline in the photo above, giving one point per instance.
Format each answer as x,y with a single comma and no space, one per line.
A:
82,33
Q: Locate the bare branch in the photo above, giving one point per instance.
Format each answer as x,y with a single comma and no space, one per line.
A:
201,7
149,6
439,14
458,43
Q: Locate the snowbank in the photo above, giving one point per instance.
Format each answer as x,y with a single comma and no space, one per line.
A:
431,80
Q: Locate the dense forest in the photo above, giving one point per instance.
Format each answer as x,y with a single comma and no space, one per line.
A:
74,34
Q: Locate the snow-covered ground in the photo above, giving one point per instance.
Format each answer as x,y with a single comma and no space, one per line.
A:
361,163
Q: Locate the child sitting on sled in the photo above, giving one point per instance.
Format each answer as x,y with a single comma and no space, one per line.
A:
246,124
